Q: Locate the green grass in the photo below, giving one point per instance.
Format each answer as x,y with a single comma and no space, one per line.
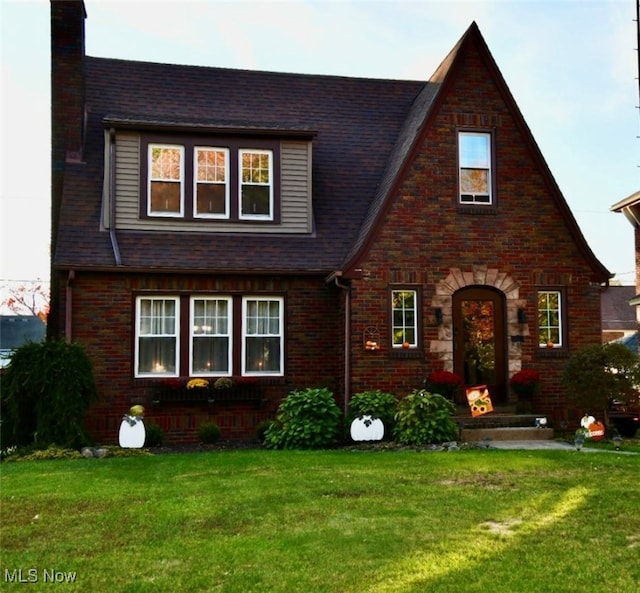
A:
327,521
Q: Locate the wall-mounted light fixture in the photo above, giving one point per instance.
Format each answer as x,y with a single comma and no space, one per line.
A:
437,313
522,316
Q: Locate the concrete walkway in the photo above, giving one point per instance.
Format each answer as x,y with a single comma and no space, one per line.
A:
550,444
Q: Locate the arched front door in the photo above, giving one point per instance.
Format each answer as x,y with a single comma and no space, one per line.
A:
479,340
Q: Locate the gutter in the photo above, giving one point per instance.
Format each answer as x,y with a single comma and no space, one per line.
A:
68,308
336,277
112,197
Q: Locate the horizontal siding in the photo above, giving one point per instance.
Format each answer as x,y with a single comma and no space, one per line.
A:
296,206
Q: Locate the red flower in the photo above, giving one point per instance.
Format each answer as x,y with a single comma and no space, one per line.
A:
525,378
446,378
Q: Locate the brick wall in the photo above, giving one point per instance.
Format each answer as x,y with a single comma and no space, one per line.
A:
103,322
425,235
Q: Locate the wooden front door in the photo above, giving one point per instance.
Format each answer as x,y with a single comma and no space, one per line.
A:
479,339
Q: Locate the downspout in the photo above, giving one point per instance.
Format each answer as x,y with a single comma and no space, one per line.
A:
68,309
347,341
112,197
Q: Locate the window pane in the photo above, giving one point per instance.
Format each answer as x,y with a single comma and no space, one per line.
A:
256,190
475,167
157,355
165,179
474,181
549,319
474,150
263,336
165,197
404,316
211,199
211,341
210,355
157,336
255,200
263,355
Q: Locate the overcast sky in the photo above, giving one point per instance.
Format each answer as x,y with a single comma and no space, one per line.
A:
570,64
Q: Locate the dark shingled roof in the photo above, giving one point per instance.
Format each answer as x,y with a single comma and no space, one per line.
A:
355,124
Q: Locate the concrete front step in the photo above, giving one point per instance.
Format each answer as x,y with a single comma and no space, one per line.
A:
517,433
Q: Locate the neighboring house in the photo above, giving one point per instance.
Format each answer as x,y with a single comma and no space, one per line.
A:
291,231
17,330
618,315
630,207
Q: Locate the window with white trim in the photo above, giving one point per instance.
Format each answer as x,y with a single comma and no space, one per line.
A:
157,336
211,340
404,315
256,187
211,191
550,319
165,180
262,336
475,176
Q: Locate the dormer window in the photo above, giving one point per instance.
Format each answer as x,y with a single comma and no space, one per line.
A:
256,187
166,180
210,178
211,182
475,168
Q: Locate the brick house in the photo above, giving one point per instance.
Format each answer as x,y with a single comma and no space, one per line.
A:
290,230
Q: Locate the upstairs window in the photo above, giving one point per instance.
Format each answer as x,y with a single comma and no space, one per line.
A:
550,319
474,157
166,180
210,178
256,188
211,186
404,317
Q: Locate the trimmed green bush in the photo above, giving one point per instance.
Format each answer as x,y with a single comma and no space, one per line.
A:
209,433
154,435
308,419
376,404
46,391
424,418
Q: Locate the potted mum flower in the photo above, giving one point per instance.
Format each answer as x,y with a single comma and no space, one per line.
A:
525,384
445,383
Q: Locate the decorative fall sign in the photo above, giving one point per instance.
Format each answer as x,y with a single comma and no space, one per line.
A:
593,429
479,400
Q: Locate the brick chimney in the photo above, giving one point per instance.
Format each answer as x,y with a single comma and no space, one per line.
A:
67,78
67,124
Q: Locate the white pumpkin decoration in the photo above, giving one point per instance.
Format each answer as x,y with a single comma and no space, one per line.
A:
132,433
366,428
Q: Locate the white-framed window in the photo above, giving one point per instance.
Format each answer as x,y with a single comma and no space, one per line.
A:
475,175
404,316
157,343
256,184
211,324
211,182
262,336
550,319
165,180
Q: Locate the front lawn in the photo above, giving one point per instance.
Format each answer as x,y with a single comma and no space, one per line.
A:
324,521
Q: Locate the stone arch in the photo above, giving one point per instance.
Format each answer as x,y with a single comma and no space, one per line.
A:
479,276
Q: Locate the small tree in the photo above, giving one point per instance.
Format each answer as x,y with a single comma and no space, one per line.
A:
596,375
46,390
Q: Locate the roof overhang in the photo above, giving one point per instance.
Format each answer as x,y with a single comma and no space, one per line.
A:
204,127
630,207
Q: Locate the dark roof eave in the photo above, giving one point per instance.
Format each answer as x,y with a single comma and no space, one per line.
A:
123,269
157,124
